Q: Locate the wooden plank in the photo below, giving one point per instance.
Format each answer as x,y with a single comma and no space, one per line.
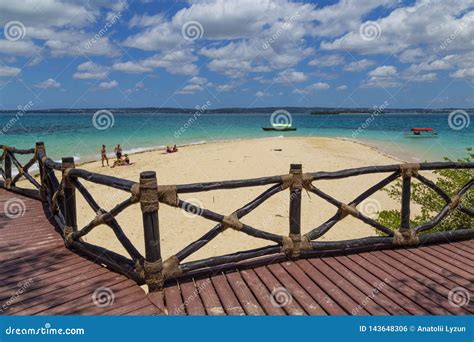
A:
372,292
437,292
313,289
333,292
449,259
405,290
173,300
297,291
406,283
460,247
277,289
464,254
191,298
441,263
209,297
454,255
358,296
243,293
261,293
443,276
55,294
404,302
226,296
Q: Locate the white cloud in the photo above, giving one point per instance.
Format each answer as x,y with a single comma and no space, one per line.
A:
131,68
311,88
194,85
262,94
90,71
382,77
359,65
290,76
108,85
7,71
463,74
49,83
383,71
342,87
433,26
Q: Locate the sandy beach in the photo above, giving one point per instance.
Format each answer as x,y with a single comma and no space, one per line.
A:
239,160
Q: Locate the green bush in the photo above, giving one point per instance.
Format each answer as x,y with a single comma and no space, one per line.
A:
451,181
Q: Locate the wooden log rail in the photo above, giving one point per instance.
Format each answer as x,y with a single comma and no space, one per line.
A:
60,199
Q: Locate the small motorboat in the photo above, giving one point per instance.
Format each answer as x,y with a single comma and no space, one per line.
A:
421,132
279,127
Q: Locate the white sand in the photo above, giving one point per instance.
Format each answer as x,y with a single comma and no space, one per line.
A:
239,160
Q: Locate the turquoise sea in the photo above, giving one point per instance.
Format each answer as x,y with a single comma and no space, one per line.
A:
81,135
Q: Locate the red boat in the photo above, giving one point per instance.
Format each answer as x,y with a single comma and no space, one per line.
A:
421,132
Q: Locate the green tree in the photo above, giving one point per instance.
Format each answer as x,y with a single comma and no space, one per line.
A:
451,181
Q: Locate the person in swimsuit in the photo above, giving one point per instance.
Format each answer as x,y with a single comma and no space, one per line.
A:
118,151
103,156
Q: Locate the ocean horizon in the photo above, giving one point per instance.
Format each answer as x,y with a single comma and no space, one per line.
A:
81,134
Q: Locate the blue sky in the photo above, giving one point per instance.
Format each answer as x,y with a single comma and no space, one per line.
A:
239,53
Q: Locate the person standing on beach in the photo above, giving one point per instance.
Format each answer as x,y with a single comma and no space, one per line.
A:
103,155
118,152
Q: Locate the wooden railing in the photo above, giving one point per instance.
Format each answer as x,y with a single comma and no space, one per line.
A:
60,199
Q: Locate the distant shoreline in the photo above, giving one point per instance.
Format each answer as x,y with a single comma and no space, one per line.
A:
259,110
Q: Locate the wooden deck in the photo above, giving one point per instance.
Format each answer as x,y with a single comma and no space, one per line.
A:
38,275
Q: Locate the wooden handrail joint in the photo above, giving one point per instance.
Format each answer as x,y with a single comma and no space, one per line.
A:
409,169
405,237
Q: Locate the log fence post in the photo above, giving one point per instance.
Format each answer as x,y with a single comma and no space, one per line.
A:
40,150
70,213
7,163
296,170
149,204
